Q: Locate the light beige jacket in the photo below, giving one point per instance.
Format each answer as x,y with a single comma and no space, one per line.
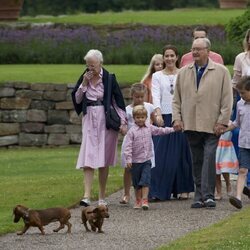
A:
200,109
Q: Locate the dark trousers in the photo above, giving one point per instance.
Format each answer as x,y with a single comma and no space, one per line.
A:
203,148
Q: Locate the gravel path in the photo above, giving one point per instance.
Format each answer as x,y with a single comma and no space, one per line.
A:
126,228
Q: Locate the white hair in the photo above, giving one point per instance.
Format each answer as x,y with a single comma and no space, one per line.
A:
94,53
207,41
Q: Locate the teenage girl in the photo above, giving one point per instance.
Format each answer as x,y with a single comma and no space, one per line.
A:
156,64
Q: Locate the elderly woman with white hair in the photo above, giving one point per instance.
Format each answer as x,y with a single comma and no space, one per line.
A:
99,144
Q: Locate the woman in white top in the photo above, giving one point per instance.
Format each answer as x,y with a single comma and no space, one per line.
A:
173,168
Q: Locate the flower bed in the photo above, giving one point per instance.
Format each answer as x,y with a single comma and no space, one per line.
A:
120,44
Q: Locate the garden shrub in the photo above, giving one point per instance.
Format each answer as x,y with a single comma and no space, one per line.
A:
57,7
237,27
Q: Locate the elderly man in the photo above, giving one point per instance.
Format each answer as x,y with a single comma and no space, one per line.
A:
202,106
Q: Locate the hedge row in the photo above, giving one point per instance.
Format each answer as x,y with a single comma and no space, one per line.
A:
57,43
56,7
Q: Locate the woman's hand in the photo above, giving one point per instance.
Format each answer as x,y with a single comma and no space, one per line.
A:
159,120
87,77
123,129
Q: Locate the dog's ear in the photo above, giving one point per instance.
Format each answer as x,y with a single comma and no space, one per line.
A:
16,209
96,210
16,214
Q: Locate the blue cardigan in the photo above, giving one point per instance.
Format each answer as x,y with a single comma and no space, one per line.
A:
116,93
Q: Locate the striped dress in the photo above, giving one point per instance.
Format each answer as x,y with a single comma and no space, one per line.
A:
226,159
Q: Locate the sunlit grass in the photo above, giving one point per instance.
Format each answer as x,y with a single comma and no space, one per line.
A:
233,233
41,178
67,73
173,17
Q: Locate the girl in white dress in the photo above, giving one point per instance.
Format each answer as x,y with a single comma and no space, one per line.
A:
138,91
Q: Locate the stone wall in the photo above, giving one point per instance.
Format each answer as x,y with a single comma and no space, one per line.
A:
39,115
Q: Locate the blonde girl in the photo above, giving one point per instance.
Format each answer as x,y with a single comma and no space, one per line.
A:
156,64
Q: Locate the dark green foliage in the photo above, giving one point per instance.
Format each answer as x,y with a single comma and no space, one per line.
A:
237,27
57,7
195,3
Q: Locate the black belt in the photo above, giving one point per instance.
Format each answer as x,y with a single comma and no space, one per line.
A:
94,103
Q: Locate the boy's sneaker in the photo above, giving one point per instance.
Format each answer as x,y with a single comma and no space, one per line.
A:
209,203
246,191
235,202
85,202
145,204
137,204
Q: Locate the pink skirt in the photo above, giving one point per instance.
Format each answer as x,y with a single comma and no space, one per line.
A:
99,145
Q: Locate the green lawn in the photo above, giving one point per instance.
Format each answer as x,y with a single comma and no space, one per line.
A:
66,73
172,17
41,178
46,177
232,233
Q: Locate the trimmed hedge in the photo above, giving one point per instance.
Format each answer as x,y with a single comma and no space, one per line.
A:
121,44
237,27
56,7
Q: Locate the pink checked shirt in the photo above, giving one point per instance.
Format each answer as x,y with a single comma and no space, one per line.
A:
138,143
242,121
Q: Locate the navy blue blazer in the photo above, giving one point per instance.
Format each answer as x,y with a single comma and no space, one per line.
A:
116,93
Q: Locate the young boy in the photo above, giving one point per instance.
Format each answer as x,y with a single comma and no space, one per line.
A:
138,153
243,122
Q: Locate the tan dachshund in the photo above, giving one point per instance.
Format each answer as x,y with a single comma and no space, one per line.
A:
40,218
95,216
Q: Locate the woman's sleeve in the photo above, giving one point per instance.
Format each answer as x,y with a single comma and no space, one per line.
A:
118,101
121,113
237,70
79,93
156,93
76,103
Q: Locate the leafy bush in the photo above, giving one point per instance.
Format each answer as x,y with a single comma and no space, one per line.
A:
57,7
126,44
237,27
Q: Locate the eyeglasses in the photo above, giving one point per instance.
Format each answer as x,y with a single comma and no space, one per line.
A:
198,49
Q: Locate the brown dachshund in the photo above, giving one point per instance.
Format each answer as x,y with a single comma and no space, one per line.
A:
40,218
95,216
